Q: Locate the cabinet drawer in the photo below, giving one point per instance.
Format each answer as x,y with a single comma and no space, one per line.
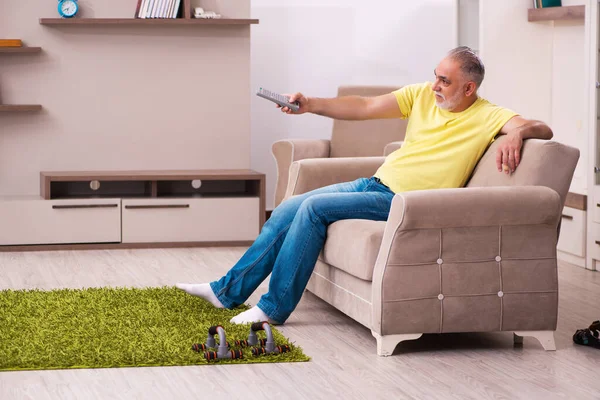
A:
190,220
39,221
595,241
596,211
572,232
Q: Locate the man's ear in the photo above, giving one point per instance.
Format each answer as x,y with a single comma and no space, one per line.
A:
470,88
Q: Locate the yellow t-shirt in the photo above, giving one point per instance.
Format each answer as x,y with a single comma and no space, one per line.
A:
441,148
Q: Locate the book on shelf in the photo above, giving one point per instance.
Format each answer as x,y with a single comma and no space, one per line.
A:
157,8
546,3
11,43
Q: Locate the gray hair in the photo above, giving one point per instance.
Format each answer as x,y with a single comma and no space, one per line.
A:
470,63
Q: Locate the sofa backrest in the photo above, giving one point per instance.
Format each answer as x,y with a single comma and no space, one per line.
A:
365,138
543,163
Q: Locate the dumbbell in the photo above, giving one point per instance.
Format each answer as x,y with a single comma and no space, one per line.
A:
252,339
229,354
266,346
210,340
256,351
245,343
223,348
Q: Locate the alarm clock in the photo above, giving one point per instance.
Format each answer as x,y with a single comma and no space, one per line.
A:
67,8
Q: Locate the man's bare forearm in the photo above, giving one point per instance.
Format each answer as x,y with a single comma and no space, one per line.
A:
535,130
344,108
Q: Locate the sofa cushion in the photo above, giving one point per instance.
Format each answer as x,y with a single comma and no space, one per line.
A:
352,245
543,163
348,137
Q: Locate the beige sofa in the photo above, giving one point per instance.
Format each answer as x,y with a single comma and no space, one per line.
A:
474,259
348,139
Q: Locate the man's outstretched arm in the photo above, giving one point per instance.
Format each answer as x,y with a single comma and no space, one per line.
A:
517,129
348,107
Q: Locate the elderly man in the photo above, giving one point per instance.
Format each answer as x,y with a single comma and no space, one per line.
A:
449,129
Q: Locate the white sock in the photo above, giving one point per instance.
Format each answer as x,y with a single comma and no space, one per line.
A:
202,290
254,314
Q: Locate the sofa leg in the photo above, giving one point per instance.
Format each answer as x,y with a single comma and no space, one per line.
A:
546,338
387,343
517,339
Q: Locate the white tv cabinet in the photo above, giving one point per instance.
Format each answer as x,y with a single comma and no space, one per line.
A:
133,209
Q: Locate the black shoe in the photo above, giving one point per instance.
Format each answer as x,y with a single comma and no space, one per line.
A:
589,336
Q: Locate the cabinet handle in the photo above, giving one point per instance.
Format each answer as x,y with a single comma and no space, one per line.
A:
567,216
598,242
159,206
67,206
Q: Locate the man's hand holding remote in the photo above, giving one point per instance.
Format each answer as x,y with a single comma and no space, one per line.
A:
302,101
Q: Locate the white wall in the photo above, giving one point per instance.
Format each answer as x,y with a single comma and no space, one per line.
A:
536,68
468,27
518,58
121,97
569,92
315,46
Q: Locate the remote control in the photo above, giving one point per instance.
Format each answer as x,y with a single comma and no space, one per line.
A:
283,101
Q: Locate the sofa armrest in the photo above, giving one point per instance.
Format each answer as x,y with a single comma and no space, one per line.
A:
287,151
307,175
488,254
481,206
392,147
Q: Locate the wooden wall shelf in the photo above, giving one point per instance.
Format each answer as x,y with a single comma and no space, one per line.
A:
146,21
564,13
19,107
12,50
6,108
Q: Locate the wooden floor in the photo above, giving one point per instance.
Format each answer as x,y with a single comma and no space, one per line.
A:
344,361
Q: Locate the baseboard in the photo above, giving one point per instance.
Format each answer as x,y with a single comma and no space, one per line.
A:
104,246
570,258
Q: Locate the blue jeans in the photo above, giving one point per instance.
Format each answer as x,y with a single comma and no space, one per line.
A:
291,240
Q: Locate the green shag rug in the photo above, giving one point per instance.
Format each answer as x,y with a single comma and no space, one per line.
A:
116,327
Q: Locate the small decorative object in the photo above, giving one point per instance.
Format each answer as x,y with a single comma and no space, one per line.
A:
546,3
200,13
11,43
67,8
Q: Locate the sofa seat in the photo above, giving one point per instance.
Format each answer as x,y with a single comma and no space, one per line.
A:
352,245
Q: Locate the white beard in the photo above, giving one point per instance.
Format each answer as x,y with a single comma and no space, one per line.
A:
446,104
